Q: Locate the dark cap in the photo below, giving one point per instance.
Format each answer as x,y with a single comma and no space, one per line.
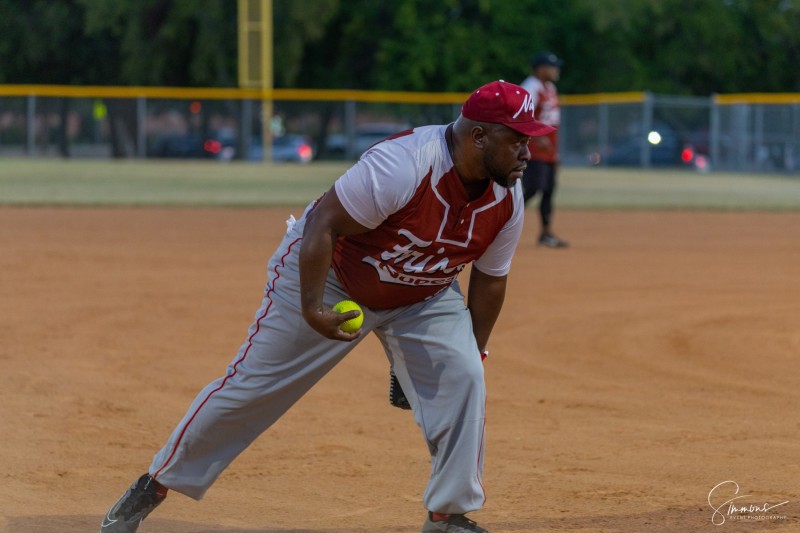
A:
546,58
504,103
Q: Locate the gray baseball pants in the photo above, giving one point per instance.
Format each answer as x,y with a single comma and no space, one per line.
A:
430,346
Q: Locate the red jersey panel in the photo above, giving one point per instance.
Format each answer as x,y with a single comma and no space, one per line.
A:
432,232
548,111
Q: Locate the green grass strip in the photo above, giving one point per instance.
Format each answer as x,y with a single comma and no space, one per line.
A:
56,182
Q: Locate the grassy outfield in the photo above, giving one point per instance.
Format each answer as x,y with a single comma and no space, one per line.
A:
107,182
209,183
604,188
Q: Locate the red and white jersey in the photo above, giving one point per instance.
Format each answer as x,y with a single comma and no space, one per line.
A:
423,228
547,110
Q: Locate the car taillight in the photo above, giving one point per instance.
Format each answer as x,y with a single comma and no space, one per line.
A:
213,147
304,151
687,155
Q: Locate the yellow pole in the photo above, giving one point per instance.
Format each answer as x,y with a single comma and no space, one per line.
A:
242,34
255,60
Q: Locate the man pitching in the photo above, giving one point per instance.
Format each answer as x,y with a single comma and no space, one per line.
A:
392,234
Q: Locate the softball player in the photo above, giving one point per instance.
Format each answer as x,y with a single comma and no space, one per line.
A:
393,233
540,176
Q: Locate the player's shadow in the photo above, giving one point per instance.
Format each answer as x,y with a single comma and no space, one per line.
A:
695,518
670,520
84,524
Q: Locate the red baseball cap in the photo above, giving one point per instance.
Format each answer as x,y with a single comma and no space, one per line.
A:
504,103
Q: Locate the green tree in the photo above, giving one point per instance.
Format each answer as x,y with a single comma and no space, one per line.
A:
168,42
420,46
671,46
685,46
44,42
297,25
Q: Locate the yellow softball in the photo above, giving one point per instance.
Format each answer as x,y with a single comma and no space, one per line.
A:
354,323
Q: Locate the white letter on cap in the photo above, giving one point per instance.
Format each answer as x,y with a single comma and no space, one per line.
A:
527,105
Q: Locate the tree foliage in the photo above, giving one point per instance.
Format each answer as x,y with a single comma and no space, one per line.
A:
45,42
667,46
168,42
297,25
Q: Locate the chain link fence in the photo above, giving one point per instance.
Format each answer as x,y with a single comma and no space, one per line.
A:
756,133
673,131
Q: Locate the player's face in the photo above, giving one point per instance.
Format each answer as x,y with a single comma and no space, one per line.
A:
548,73
506,155
554,73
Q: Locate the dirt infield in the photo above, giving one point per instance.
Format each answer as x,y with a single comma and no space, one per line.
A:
630,375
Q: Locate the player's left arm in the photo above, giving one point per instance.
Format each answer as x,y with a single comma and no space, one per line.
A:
487,282
485,298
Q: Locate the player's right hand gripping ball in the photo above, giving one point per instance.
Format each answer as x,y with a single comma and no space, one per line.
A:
354,323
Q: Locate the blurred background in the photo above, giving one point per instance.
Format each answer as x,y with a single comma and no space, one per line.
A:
696,84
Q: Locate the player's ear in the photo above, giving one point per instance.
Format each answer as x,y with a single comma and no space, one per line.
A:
479,134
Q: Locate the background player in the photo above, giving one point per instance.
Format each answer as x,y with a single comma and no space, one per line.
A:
393,233
540,176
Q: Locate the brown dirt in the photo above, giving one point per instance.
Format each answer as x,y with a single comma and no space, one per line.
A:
629,375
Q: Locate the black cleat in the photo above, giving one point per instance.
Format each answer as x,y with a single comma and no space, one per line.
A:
138,501
454,523
551,241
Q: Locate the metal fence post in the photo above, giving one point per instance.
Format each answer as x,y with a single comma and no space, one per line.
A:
794,154
602,130
350,129
647,126
760,153
30,125
245,128
141,121
739,129
713,141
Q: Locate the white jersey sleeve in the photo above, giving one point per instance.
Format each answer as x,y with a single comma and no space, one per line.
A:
379,184
496,260
534,86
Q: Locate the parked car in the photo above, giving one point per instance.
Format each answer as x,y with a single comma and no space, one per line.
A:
177,146
222,145
288,148
366,135
666,146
